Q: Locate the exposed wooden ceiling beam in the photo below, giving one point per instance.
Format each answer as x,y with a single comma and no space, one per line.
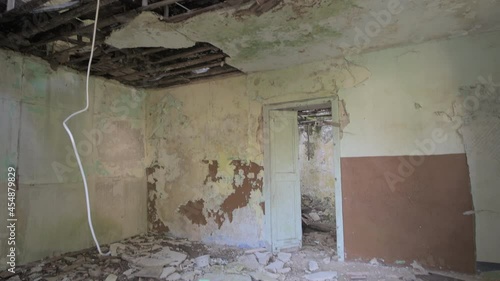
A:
192,13
122,18
185,54
189,69
148,61
19,6
171,67
141,67
63,18
220,72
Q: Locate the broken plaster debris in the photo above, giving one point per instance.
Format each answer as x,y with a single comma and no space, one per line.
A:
159,257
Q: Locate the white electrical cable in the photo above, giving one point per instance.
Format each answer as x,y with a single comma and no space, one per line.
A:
89,216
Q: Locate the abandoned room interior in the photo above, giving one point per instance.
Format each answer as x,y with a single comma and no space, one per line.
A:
250,140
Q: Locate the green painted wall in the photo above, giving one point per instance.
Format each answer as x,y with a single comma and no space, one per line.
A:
34,100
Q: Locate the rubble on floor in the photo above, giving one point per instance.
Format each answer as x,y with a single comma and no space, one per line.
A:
317,215
158,257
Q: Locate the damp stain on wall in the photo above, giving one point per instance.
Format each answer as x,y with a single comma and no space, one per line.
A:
154,221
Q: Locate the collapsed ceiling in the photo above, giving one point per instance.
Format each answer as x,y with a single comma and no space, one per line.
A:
163,43
61,32
314,116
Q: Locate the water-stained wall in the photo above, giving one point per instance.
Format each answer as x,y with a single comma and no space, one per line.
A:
205,151
50,202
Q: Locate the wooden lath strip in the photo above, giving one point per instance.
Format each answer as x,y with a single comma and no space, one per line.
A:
186,54
128,55
148,62
192,13
141,67
188,69
83,30
122,18
98,54
63,18
221,72
21,8
259,7
140,55
172,66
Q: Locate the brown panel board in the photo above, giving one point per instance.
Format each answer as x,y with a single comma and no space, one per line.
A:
421,218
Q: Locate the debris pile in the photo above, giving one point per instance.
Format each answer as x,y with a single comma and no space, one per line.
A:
158,257
317,215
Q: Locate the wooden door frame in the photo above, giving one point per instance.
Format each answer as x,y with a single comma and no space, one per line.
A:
333,102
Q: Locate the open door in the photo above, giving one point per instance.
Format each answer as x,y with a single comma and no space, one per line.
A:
286,227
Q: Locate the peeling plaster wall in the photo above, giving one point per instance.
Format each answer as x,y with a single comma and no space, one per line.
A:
204,183
50,206
395,101
317,181
205,151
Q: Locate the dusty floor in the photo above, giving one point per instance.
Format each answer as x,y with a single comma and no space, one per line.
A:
158,257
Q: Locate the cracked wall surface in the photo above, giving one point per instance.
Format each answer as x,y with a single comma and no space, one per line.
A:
297,32
476,115
51,212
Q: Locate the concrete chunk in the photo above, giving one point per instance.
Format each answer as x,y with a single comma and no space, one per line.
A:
264,276
249,261
314,216
263,258
174,276
167,271
275,266
284,257
313,266
150,272
174,258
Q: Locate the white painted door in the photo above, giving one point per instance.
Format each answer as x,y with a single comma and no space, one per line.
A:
286,227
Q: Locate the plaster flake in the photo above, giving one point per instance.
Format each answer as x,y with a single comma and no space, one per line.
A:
147,30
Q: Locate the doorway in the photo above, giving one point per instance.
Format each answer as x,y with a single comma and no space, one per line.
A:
316,163
284,220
